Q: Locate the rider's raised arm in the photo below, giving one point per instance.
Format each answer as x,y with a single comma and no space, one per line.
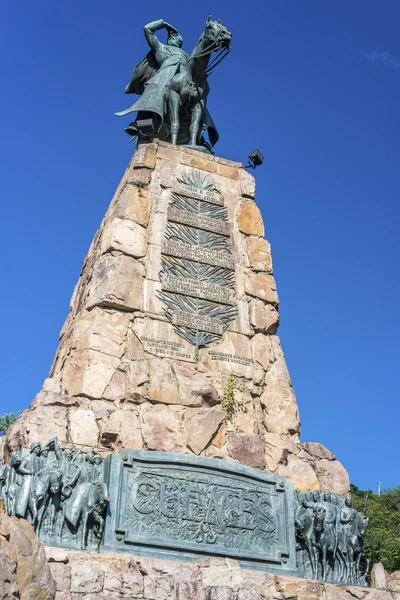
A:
149,32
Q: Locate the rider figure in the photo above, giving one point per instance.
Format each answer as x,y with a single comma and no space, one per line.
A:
28,468
347,516
168,56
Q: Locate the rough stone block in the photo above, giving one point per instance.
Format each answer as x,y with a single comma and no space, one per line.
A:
249,219
247,184
379,576
161,427
200,425
262,350
259,254
62,576
333,475
125,236
102,330
263,317
145,156
134,204
87,577
263,286
83,428
317,451
88,373
139,177
117,282
247,448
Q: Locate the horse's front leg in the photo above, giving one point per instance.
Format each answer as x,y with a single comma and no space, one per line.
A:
309,549
174,105
85,520
41,511
33,509
195,123
324,558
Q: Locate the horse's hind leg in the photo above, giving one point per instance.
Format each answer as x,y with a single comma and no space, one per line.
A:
195,123
174,104
85,519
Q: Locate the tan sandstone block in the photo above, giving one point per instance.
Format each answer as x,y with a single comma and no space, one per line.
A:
262,350
102,330
145,156
259,253
333,475
277,448
317,451
88,373
301,588
117,282
116,389
247,448
198,162
180,383
247,184
250,219
379,576
39,425
125,236
83,428
261,286
87,577
200,425
161,427
134,204
233,354
124,426
300,473
139,177
263,317
281,413
229,172
62,576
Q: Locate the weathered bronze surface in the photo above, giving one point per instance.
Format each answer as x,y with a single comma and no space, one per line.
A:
173,85
184,506
61,493
330,538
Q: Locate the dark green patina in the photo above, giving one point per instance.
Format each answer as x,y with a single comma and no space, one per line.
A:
173,86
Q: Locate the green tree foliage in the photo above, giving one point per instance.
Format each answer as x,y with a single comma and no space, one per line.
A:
6,421
382,541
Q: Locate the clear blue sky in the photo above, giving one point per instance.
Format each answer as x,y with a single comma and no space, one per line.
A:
316,86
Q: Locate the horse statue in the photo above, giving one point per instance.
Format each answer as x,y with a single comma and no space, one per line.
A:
45,485
88,502
315,536
355,550
173,85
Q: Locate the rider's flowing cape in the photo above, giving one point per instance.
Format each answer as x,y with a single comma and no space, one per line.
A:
150,83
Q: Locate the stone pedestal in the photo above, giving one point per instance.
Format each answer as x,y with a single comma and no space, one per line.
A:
108,576
170,343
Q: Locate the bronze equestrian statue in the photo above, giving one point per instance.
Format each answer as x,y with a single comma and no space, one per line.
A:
173,85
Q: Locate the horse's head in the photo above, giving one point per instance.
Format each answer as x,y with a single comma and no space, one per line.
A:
216,33
361,524
319,518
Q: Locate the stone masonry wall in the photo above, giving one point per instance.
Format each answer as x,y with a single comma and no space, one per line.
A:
122,377
80,576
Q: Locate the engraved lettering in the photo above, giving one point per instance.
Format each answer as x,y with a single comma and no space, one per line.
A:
198,194
197,289
199,221
198,254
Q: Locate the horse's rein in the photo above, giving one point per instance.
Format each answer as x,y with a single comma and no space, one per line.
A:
209,49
